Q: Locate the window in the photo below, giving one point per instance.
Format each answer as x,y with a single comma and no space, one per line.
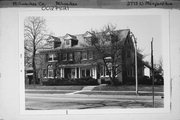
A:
84,55
102,70
109,72
70,57
57,74
77,56
50,72
64,57
52,57
67,42
90,55
109,65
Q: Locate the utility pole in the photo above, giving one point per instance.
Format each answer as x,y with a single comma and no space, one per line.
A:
152,71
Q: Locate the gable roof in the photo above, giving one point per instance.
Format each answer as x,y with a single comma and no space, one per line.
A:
69,36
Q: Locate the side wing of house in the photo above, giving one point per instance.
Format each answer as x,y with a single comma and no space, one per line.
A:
129,61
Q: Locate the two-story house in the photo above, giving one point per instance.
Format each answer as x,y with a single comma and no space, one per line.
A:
71,58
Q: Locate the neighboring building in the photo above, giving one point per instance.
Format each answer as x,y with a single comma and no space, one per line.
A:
70,57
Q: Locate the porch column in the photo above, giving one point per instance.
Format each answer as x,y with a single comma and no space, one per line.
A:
91,72
75,72
95,72
62,72
104,70
79,72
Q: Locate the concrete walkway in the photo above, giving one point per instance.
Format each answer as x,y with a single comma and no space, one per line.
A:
86,88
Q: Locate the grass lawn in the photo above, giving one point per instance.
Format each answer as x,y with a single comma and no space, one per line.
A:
51,92
40,87
119,93
157,88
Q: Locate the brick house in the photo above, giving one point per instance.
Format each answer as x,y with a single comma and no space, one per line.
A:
71,58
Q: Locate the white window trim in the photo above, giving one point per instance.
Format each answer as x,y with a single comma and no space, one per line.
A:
52,55
104,72
71,58
48,73
86,56
91,56
66,57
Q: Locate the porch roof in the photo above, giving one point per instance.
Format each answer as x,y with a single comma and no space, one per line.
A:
78,65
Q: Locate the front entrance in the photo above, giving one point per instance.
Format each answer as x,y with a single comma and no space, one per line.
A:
67,73
73,73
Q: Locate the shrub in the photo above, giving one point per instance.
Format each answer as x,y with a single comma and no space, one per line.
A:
129,81
64,81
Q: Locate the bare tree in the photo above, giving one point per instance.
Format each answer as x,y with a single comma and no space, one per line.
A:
34,36
108,47
159,66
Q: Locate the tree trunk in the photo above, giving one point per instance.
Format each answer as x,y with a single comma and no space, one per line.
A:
34,69
34,62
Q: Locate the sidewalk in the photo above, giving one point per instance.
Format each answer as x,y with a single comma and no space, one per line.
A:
90,92
84,89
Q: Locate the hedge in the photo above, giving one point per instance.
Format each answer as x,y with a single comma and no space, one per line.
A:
64,81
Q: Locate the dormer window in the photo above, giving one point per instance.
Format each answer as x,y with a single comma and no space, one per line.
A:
70,40
52,58
54,41
90,38
87,37
67,42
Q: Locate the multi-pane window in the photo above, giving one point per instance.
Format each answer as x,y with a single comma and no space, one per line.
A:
90,54
57,74
67,42
52,57
84,55
107,74
109,70
77,56
102,70
50,72
64,58
70,57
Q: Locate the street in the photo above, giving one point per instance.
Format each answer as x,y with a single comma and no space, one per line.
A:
38,101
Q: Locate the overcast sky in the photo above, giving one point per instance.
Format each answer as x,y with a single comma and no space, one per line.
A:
144,28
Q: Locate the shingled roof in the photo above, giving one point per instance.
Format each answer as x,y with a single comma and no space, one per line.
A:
81,39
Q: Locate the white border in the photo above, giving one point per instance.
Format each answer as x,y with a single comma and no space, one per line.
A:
94,12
